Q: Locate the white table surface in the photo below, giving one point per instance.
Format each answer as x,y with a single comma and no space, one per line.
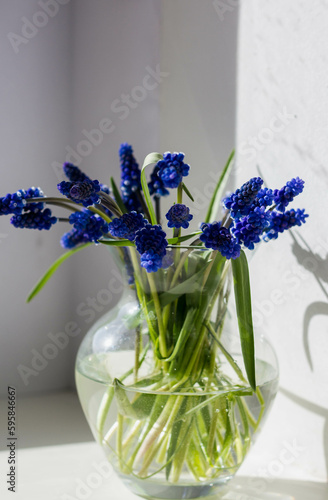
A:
80,471
55,463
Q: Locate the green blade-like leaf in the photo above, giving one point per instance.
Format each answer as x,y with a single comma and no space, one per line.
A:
218,192
180,239
183,336
149,160
52,269
188,193
116,243
137,410
244,314
117,196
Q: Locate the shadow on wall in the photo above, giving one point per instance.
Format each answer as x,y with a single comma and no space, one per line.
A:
318,266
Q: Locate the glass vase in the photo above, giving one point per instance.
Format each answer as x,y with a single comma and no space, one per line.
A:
162,382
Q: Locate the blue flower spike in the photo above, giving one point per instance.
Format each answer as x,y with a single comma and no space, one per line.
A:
85,192
87,227
172,169
15,203
219,238
151,244
36,219
281,222
282,197
179,216
127,225
249,229
240,202
156,185
130,177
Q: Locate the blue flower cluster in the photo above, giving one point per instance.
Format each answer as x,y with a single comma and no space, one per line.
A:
15,203
282,197
85,192
179,216
249,229
36,219
87,227
255,214
171,169
130,177
219,238
156,185
239,203
127,225
280,222
151,244
74,174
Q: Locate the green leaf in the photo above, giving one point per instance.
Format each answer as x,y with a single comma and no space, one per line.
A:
186,190
52,269
183,336
116,243
138,410
180,239
218,192
117,196
176,429
244,314
149,160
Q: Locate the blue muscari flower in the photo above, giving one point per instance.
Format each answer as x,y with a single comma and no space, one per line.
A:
280,222
130,172
73,238
104,188
85,192
249,229
282,197
74,174
15,203
36,219
264,198
178,216
171,169
127,225
151,244
34,193
87,227
130,178
219,238
239,203
156,185
87,221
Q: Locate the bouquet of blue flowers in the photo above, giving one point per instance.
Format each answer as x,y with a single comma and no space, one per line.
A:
181,285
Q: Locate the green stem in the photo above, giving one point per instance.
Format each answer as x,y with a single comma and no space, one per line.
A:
158,309
165,421
137,352
119,438
103,411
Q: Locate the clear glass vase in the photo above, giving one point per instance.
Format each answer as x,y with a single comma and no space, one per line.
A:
162,382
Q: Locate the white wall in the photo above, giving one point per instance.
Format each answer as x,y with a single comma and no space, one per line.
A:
116,44
34,126
57,88
198,99
283,70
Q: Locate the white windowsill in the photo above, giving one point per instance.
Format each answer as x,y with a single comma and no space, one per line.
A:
54,462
